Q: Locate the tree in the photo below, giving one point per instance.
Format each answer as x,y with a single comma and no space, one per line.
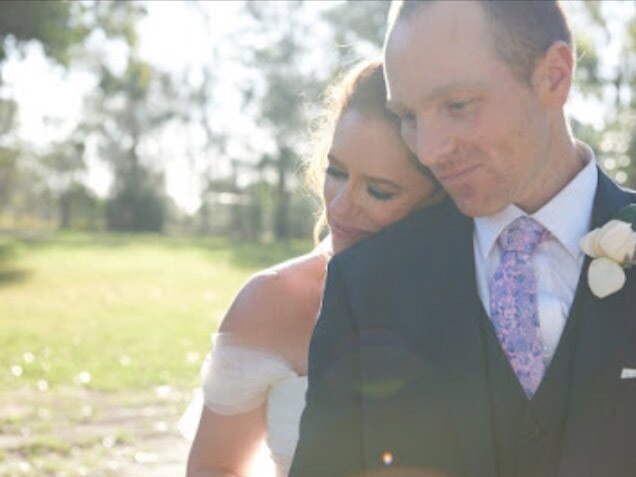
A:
280,46
125,110
611,86
61,27
9,151
62,166
79,208
280,42
123,114
55,25
358,28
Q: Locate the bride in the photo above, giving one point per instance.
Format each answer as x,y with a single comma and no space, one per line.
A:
254,379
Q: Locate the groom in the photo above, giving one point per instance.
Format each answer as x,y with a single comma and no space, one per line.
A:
465,340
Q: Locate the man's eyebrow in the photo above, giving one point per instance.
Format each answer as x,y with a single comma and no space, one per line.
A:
397,106
447,89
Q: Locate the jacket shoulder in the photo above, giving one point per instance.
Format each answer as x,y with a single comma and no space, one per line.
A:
424,230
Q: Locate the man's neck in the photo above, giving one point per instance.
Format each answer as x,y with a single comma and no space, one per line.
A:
565,158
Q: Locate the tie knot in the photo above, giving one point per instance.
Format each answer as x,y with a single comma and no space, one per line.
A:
522,235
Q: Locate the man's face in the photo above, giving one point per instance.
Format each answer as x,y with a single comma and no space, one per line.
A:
481,131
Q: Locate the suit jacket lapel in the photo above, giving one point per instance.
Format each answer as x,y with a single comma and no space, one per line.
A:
604,325
459,349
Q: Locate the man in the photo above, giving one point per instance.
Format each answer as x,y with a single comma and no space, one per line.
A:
465,341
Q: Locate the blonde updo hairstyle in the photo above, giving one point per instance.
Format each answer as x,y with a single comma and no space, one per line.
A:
361,89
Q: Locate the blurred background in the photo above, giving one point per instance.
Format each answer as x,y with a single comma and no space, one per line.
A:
149,157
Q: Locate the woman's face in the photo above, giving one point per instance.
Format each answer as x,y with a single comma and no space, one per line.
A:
370,182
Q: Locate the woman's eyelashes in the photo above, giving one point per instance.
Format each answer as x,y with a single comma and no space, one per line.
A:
379,194
372,189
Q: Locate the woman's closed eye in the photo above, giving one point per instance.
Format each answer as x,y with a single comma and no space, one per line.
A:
379,193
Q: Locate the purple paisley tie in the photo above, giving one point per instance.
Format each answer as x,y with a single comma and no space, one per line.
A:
513,302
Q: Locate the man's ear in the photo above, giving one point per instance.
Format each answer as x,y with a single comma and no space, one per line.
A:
552,76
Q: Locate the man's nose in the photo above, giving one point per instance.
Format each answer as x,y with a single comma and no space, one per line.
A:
433,142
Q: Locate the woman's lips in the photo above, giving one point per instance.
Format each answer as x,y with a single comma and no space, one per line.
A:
347,233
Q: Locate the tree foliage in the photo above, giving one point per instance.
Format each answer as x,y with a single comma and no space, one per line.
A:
612,86
56,173
280,46
276,94
121,114
55,25
289,51
358,28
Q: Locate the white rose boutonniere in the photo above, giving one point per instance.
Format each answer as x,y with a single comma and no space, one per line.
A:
613,248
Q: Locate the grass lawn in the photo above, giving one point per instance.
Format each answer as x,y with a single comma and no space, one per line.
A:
117,313
101,340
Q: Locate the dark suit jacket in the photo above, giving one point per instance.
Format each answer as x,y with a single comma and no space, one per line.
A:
397,381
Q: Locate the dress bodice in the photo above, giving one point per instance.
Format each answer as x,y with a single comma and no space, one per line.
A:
239,378
284,407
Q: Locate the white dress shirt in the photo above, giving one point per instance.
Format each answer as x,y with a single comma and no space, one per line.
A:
558,260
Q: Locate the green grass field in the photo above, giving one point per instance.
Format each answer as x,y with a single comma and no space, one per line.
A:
101,341
117,313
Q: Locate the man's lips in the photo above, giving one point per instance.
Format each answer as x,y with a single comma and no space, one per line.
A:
455,176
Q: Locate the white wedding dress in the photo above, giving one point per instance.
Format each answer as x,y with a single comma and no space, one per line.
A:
238,378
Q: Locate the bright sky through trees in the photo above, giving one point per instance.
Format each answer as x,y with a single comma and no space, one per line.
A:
179,37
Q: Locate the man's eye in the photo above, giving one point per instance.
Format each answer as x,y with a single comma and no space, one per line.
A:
459,106
335,172
379,194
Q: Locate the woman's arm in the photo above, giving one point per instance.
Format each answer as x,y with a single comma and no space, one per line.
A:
270,321
225,446
247,357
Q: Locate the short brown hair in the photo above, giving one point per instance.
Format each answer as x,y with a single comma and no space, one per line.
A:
523,30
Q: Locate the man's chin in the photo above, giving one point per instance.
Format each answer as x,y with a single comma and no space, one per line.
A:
473,206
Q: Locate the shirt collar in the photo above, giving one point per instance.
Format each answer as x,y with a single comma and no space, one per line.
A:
567,216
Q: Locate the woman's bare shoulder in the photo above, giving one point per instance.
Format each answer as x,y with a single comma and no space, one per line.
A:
276,299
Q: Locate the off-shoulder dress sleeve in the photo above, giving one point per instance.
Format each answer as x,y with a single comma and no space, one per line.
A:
237,376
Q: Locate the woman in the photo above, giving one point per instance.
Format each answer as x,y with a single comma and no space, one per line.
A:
255,376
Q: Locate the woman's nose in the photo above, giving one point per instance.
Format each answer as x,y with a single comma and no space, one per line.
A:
344,203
